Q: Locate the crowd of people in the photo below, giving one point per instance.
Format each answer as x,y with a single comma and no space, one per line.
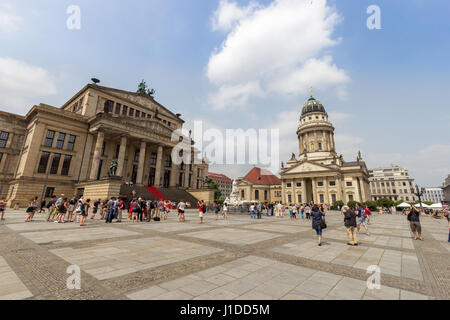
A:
63,210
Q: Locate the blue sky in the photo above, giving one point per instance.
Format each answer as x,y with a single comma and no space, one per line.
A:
386,90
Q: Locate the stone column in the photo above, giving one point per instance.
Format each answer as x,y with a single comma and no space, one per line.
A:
121,159
327,194
293,191
304,195
97,155
175,173
194,177
186,174
140,172
314,187
159,166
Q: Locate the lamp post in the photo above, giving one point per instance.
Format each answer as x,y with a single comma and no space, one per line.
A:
419,193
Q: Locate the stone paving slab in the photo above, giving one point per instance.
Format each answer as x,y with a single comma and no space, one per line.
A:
11,287
233,236
109,260
267,280
392,262
81,234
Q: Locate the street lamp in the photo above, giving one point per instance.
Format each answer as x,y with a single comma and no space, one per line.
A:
419,193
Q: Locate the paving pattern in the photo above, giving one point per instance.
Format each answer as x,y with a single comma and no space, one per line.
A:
237,258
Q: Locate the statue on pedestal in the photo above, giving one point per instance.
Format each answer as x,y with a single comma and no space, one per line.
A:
113,168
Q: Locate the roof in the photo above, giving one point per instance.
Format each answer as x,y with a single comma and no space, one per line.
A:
219,177
262,176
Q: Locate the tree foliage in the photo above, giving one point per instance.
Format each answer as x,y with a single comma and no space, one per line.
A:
385,203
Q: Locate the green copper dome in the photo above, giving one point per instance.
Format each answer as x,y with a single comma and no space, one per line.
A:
312,105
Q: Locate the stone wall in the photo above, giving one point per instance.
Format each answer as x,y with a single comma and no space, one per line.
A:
207,195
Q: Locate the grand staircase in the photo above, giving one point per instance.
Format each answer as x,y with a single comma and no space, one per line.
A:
152,193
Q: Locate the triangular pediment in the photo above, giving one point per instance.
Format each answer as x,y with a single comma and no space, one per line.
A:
308,166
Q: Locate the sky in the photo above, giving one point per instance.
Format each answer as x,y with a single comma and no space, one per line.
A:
251,64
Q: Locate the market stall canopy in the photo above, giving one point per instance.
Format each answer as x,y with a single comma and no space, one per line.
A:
404,205
436,206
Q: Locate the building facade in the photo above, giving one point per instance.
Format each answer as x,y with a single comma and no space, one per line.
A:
434,194
392,183
446,190
225,184
70,149
259,185
319,175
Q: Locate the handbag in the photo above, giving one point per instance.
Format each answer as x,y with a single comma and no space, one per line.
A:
323,224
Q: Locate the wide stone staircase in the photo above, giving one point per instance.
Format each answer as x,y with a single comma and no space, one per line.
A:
151,193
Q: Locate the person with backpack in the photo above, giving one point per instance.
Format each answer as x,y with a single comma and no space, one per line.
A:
318,223
135,210
361,219
84,211
258,210
350,225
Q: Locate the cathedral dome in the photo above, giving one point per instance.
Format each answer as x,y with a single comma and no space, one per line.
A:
312,105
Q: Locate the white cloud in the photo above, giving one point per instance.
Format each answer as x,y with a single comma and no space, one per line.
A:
228,13
279,46
9,21
234,95
20,83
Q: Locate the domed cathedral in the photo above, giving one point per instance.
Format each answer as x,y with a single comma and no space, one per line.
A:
318,174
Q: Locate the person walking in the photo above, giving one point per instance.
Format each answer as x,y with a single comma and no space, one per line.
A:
181,208
361,219
110,210
252,211
368,214
84,211
414,222
95,208
317,223
308,211
258,210
2,208
350,225
225,211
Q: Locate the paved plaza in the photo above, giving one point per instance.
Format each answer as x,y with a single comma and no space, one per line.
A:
238,258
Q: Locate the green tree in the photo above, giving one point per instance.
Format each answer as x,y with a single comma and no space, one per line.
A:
385,203
372,205
337,204
352,204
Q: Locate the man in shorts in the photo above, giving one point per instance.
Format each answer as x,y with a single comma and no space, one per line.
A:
414,222
181,207
361,218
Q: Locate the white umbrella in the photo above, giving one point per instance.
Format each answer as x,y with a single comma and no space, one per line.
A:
436,206
404,205
423,205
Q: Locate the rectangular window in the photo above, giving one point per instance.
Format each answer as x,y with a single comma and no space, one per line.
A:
333,198
136,155
134,173
55,163
49,192
131,114
299,184
168,162
289,198
138,114
49,138
322,198
144,115
71,142
124,110
289,185
60,141
320,184
117,151
109,105
299,198
118,106
3,139
332,183
350,197
349,184
66,165
154,158
149,116
43,162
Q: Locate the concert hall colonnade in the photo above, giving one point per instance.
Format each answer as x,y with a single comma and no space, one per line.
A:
69,150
